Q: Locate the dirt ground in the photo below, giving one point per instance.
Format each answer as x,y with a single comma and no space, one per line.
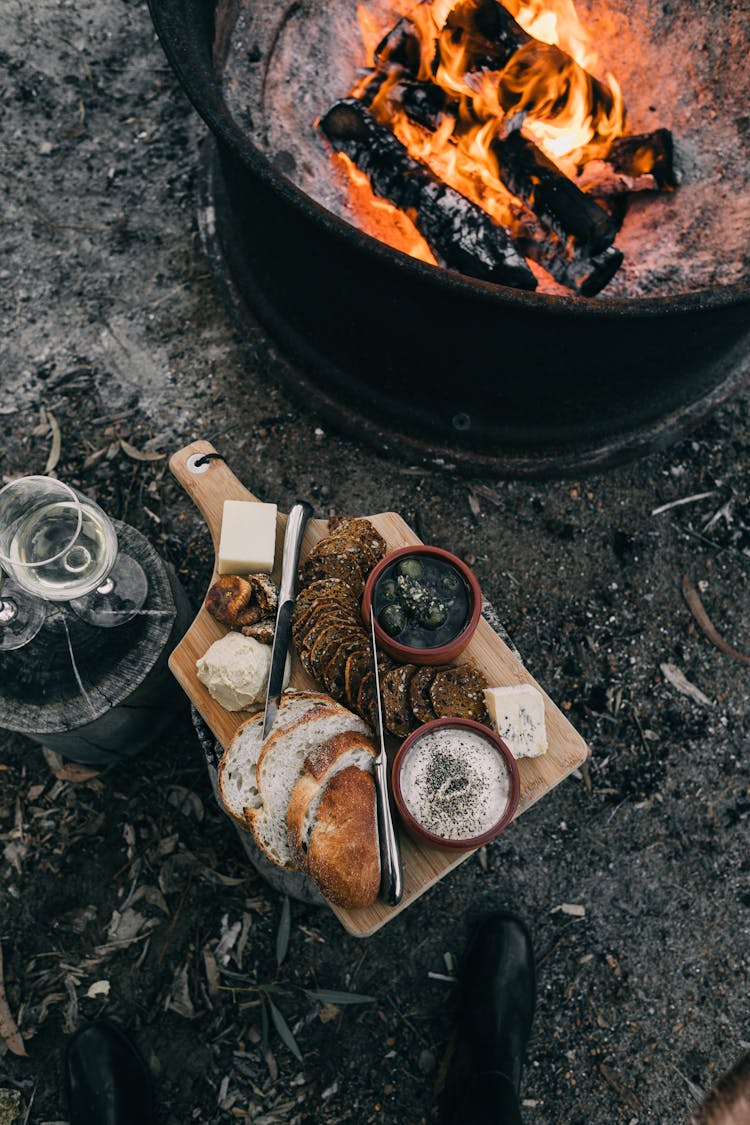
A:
128,893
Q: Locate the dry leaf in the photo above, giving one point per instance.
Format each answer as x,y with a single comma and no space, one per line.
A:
8,1029
329,1012
677,678
139,454
54,760
179,998
185,801
212,973
54,453
124,926
98,988
73,771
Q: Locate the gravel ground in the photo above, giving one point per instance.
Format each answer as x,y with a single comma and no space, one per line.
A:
134,878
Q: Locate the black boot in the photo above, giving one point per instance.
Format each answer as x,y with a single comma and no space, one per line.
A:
108,1082
496,1008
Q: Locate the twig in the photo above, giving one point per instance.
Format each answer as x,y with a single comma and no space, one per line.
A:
684,500
696,607
175,917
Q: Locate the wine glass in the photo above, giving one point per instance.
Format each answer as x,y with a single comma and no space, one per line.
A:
21,616
60,546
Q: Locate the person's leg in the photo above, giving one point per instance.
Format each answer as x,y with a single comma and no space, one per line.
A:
108,1083
729,1101
496,1008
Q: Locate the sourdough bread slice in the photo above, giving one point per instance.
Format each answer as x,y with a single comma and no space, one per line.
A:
350,748
238,767
343,856
280,766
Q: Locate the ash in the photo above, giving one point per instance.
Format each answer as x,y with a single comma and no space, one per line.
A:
682,67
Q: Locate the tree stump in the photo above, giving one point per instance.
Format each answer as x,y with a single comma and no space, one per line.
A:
129,694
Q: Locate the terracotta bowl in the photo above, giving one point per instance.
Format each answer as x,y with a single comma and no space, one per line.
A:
442,654
414,827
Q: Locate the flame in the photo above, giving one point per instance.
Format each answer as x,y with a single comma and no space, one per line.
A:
551,86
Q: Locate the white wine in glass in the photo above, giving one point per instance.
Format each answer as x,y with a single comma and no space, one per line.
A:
61,547
63,550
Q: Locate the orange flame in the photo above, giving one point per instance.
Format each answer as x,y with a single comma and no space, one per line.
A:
552,85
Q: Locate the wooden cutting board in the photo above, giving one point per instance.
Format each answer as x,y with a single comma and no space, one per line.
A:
423,865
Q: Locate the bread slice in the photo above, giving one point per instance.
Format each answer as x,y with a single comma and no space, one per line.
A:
238,767
349,748
343,856
280,766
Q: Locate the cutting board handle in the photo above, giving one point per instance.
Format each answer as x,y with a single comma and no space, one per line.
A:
207,482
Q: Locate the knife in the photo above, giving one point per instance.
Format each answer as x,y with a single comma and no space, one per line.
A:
390,852
295,529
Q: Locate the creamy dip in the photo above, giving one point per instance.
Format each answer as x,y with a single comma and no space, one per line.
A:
454,783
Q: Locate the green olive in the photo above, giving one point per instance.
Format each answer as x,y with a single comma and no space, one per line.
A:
434,616
388,591
392,619
410,568
450,581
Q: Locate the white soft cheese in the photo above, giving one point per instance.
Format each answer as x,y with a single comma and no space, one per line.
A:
248,537
235,671
517,714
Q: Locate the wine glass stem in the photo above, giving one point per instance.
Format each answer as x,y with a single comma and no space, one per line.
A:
8,611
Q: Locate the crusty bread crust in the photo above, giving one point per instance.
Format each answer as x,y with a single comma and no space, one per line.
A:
321,763
237,780
343,856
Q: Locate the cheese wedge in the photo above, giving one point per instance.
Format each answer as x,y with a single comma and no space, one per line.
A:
517,714
248,537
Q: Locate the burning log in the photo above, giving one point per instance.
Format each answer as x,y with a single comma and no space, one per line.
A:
585,274
400,47
645,154
459,232
533,177
638,163
486,33
491,39
539,239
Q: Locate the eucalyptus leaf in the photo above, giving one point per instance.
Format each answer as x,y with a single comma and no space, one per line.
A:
282,936
285,1032
330,996
264,1024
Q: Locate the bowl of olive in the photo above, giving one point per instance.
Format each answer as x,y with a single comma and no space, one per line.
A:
426,603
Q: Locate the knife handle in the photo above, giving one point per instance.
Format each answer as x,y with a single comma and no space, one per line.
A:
390,849
295,529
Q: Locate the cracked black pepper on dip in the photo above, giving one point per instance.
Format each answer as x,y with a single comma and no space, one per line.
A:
455,784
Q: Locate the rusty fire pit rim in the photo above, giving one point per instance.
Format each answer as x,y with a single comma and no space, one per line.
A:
207,99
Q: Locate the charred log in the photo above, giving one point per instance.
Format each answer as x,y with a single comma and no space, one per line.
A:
533,177
486,32
584,272
645,154
400,47
459,232
423,103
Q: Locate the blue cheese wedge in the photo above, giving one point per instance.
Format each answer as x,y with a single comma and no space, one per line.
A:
248,538
517,714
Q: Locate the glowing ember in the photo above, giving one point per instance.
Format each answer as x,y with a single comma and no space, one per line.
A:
505,104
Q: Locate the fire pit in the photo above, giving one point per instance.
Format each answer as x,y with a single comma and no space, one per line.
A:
448,368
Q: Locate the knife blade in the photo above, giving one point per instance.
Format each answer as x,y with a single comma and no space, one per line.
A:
295,529
392,878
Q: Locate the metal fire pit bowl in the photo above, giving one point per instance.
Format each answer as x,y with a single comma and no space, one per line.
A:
424,362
